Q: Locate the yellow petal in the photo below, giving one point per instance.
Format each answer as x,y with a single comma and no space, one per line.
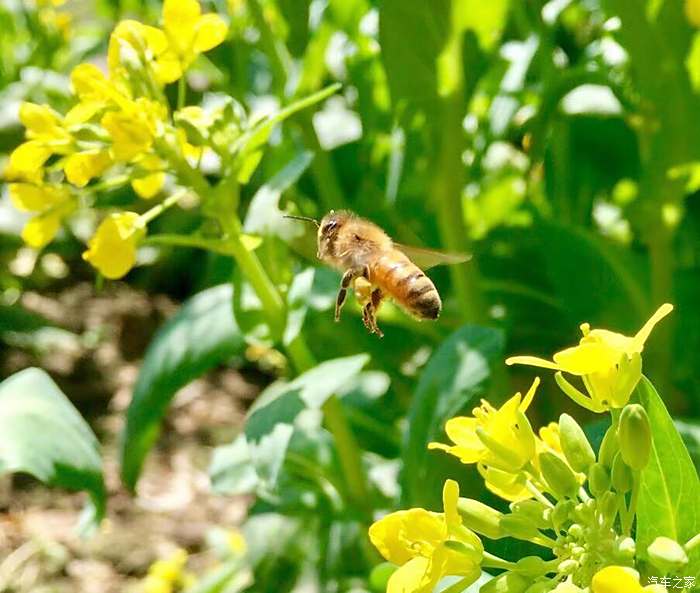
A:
28,158
129,134
410,577
641,337
35,198
450,496
168,67
41,229
179,20
529,395
210,31
81,167
614,579
82,112
462,432
148,186
402,535
533,361
587,357
112,250
38,118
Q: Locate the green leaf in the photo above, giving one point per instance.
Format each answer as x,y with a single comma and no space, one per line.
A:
486,19
42,434
410,66
270,424
669,499
231,470
199,336
455,375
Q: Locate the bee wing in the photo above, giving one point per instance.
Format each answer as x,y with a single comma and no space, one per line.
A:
429,258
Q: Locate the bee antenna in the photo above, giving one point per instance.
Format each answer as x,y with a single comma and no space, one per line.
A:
304,218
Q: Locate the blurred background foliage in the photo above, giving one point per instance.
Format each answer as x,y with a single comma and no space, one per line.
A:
558,142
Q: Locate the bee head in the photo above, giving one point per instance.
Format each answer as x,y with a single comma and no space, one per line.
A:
328,230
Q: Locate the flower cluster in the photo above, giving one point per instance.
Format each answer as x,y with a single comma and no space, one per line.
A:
121,130
562,496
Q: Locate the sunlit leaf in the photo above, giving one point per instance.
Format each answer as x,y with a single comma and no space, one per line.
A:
42,434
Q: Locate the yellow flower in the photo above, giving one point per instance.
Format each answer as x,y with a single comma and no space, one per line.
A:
52,203
133,129
427,546
508,486
81,167
189,34
112,250
501,438
609,364
42,123
149,178
614,579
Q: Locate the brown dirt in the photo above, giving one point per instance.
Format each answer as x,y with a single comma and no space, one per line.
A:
96,366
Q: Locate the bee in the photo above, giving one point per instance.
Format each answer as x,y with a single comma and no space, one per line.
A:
377,268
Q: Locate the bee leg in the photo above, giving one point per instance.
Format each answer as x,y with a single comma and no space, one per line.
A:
376,301
345,282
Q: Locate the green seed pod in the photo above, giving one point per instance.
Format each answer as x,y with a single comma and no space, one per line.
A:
598,479
577,449
533,510
508,582
379,577
634,435
608,505
558,475
531,566
667,554
609,447
622,478
518,527
480,517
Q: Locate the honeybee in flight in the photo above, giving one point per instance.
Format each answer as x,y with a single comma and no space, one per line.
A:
377,268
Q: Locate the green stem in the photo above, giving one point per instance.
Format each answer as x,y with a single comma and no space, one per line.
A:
168,202
692,543
492,561
181,91
459,586
628,518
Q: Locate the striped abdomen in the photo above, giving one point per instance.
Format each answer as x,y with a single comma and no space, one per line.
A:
406,283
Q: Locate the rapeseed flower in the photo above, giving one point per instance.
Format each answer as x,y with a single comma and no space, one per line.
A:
500,438
49,203
112,249
615,579
609,364
428,546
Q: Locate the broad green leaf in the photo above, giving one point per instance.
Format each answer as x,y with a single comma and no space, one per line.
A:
455,375
690,433
692,62
199,336
42,434
411,66
486,19
669,499
270,423
231,470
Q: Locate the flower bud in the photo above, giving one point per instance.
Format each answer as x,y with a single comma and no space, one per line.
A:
598,479
567,587
634,435
567,566
667,554
533,510
622,478
585,511
379,577
508,582
480,517
531,566
562,512
577,449
625,549
558,475
518,527
609,447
